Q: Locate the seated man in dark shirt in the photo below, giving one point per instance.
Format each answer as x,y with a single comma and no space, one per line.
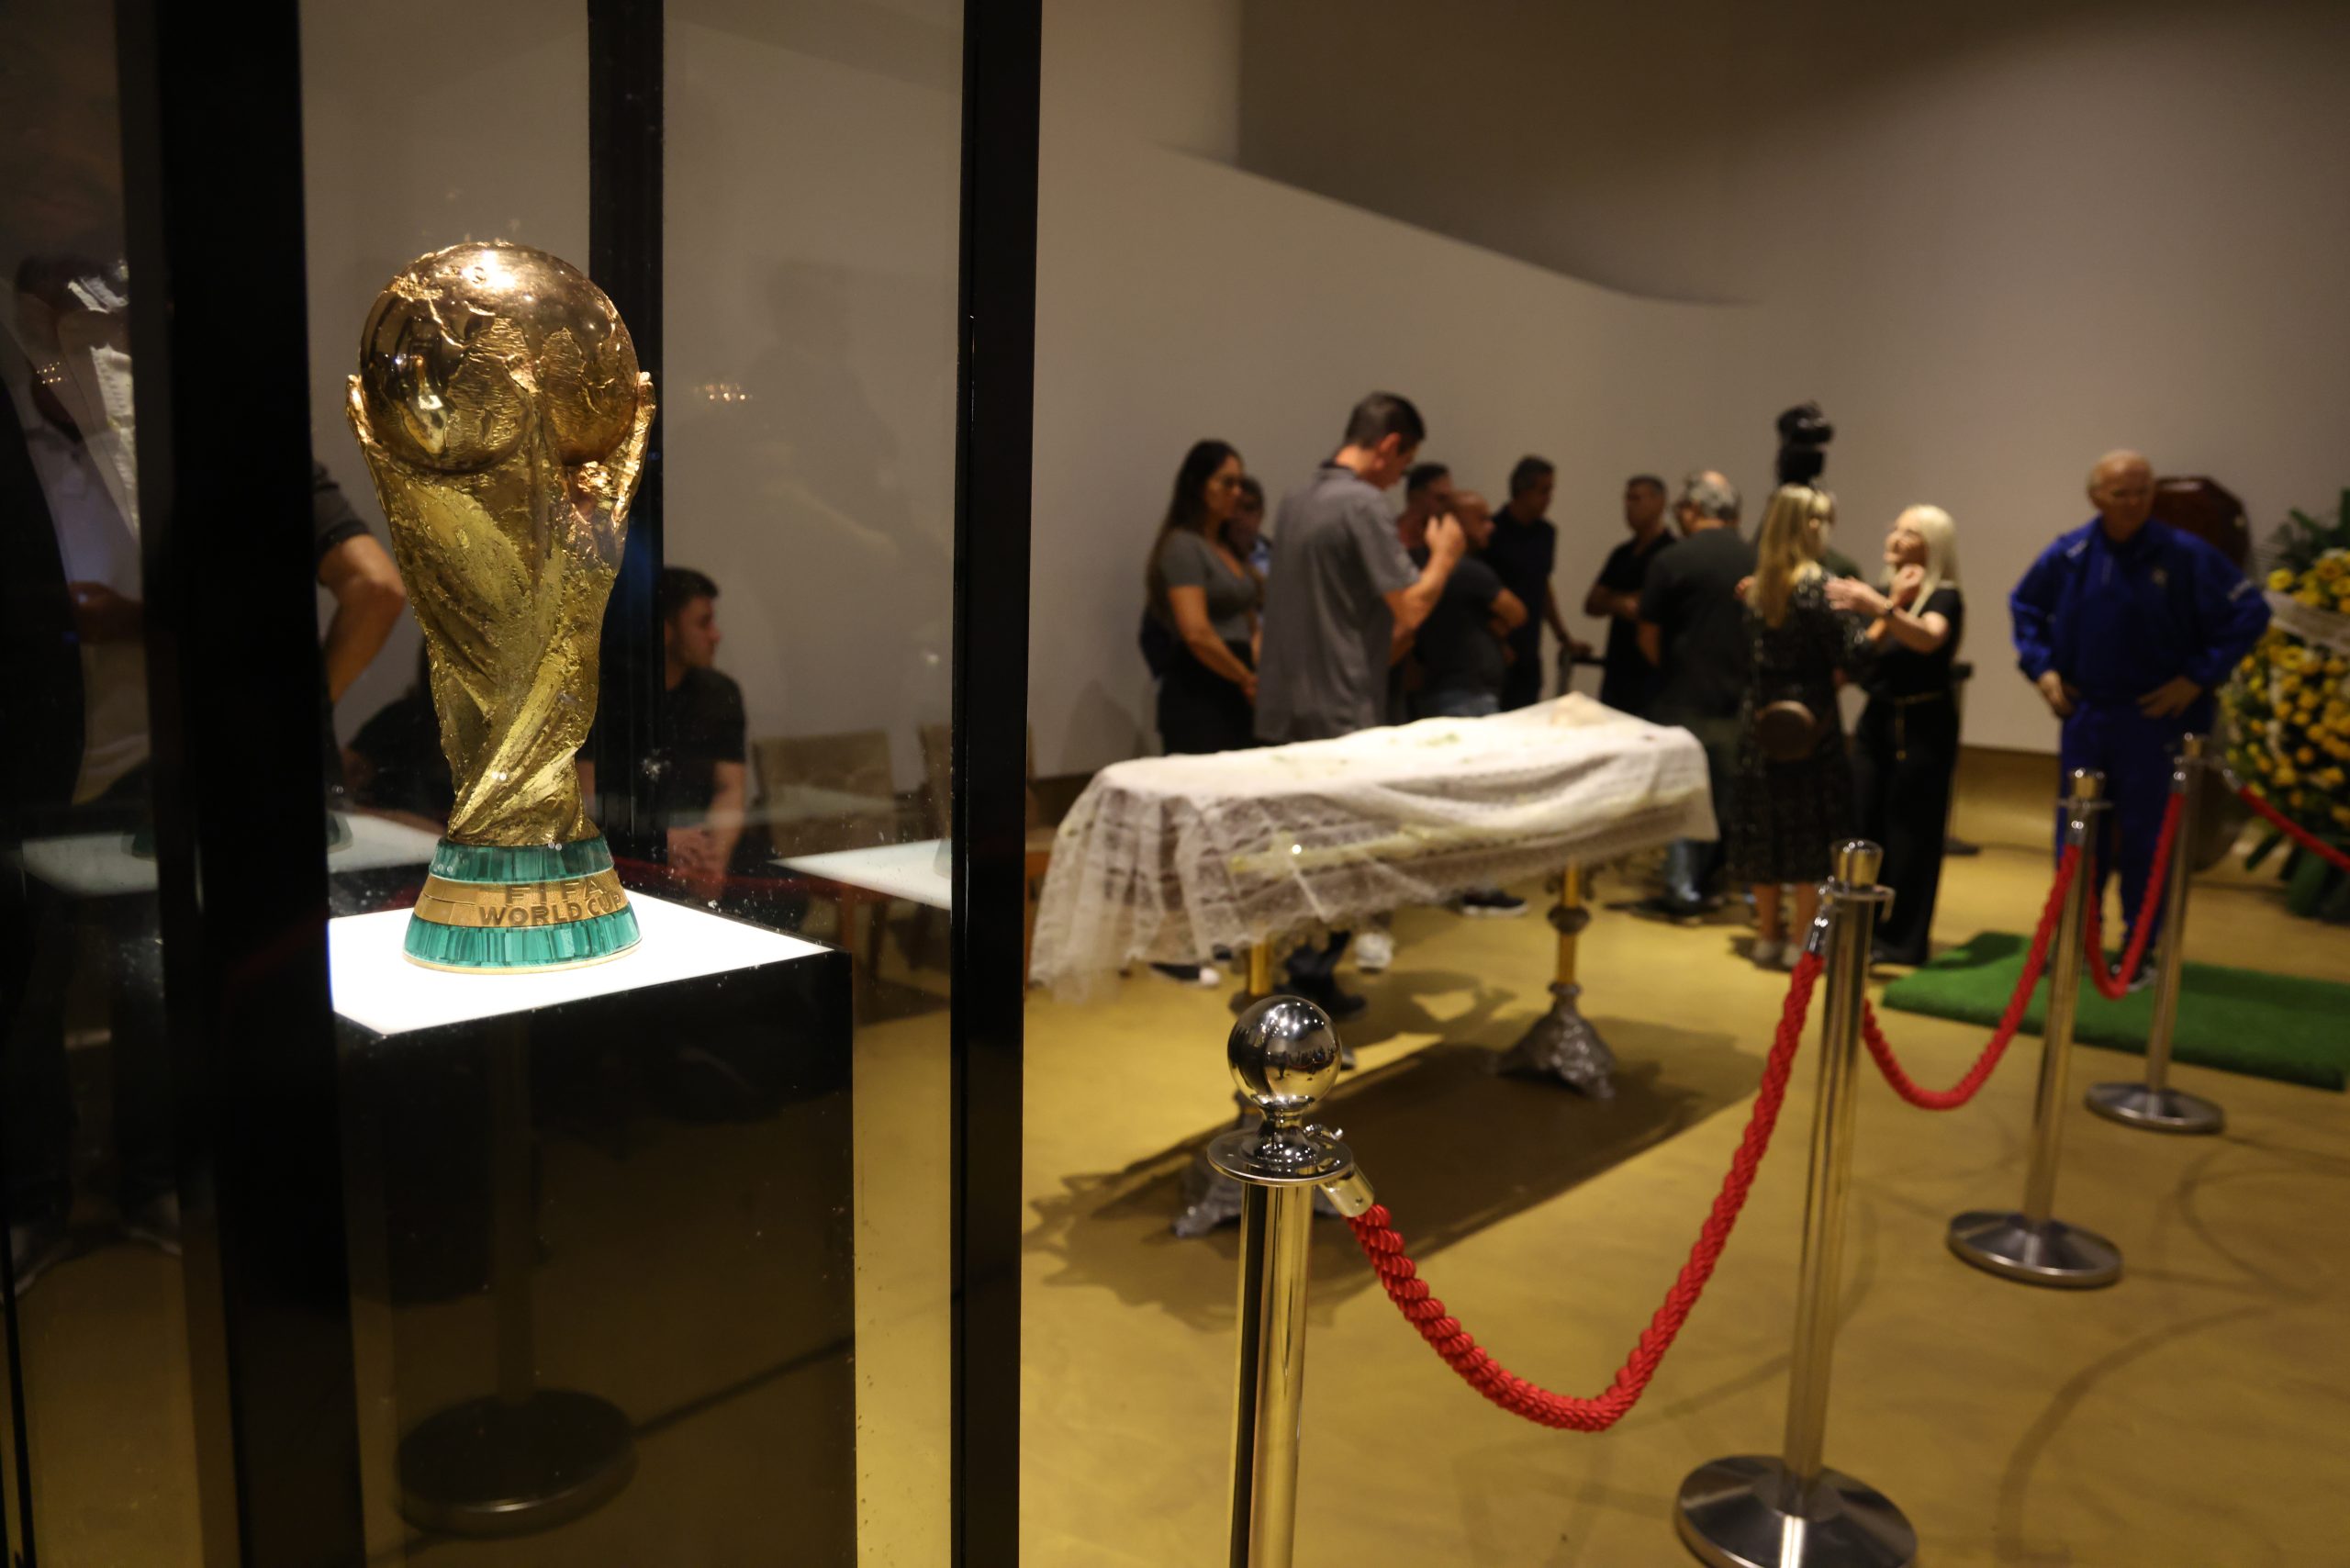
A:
394,765
1463,655
703,790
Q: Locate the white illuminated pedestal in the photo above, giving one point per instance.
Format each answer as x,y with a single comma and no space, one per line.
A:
608,1161
377,987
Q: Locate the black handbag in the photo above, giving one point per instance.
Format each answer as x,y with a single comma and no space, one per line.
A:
1158,647
1786,730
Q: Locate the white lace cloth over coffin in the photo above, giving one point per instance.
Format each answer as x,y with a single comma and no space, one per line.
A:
1169,857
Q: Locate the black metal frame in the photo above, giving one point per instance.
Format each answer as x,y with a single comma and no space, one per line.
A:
626,131
1002,42
212,165
224,452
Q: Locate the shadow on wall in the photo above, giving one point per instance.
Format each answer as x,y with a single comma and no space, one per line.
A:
788,487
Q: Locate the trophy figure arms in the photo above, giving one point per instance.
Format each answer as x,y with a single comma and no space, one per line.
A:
509,566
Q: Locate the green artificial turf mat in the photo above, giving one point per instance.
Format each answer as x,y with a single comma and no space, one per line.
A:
2278,1026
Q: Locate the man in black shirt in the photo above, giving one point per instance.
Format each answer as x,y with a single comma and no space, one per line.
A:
1629,676
1463,662
1525,548
1691,627
703,789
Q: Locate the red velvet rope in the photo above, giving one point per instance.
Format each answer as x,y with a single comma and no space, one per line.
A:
1481,1371
1965,1089
2294,830
2113,985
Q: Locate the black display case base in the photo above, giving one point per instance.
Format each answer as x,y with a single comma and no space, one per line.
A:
496,1467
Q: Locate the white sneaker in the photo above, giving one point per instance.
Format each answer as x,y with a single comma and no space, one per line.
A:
1767,953
1374,950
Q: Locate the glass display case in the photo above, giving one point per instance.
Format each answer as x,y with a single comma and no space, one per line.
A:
429,1215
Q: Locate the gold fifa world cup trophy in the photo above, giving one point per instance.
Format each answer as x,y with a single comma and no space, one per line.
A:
502,414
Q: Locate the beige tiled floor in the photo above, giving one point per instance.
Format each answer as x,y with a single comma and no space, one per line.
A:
2194,1415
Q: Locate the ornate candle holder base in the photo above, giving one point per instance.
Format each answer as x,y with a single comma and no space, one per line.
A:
1563,1045
496,908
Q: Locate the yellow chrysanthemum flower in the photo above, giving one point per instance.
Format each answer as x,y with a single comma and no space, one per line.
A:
2280,579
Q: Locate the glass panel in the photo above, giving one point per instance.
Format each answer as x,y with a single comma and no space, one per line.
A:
651,1259
99,1337
810,323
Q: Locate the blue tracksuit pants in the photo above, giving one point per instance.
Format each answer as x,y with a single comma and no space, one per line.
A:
2135,755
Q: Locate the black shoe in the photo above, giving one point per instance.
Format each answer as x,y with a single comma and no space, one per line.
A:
1342,1005
1490,903
1664,906
1323,993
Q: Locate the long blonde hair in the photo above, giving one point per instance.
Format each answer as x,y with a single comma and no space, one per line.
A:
1787,549
1933,525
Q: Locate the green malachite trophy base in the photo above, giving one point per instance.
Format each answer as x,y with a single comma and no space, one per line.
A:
503,889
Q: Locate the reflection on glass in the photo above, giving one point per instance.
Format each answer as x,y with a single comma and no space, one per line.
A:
86,1099
810,481
86,1086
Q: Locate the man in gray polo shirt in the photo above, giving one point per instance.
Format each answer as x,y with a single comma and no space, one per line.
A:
1341,602
1343,597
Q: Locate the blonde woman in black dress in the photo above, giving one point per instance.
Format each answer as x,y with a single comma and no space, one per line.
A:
1905,746
1794,796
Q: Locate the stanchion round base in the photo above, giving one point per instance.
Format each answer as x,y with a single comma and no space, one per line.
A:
1749,1513
491,1467
2159,1110
2054,1254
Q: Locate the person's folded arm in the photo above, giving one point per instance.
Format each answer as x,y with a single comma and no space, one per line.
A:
1190,606
369,598
1412,604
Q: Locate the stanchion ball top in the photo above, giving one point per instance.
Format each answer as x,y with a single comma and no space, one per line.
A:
1284,1055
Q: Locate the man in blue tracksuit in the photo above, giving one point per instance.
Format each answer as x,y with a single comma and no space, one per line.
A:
2127,626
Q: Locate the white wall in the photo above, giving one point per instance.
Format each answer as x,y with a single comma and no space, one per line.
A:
409,144
1993,240
812,219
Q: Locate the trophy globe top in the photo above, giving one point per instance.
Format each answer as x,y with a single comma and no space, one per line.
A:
466,343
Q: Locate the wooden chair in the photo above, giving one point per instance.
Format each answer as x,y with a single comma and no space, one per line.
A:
819,793
938,784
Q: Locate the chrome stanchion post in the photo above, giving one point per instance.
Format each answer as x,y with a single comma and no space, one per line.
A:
2154,1103
2031,1244
1562,1044
1284,1057
1792,1511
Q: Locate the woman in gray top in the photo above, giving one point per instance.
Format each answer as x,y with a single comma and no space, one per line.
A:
1204,598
